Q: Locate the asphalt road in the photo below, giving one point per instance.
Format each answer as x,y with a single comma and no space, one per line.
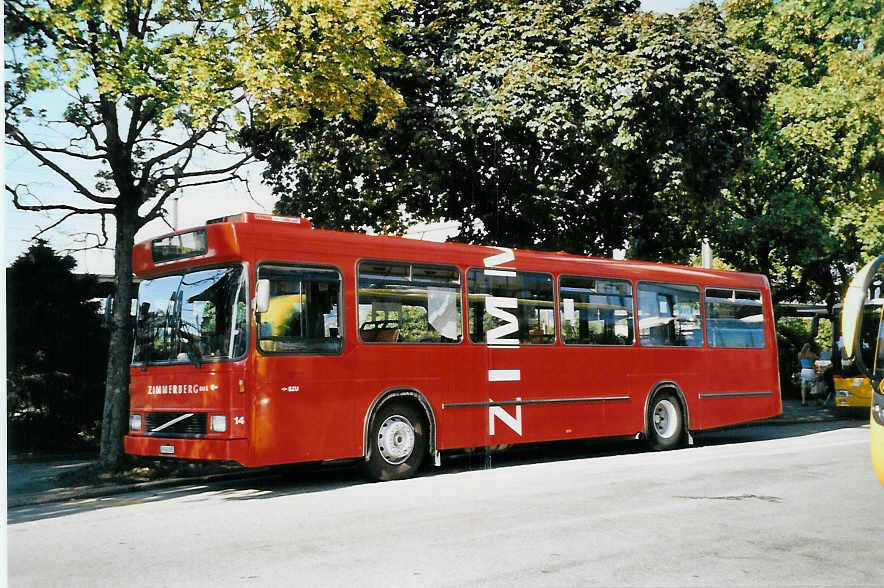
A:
757,506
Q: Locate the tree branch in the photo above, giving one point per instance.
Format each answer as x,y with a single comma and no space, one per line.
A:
142,29
62,151
44,207
100,240
229,178
64,218
22,141
155,211
15,11
189,144
177,177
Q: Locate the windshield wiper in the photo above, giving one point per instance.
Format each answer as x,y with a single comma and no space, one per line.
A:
190,348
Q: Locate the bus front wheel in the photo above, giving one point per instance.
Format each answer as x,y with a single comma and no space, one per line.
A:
397,442
665,422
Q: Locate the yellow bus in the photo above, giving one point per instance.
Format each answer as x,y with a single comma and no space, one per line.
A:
868,352
853,390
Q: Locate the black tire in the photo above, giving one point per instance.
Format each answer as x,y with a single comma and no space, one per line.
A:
665,422
397,442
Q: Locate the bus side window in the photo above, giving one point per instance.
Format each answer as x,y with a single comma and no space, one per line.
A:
734,318
409,303
669,315
511,309
596,311
302,316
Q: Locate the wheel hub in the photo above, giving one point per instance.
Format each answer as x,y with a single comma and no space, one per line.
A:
396,439
665,419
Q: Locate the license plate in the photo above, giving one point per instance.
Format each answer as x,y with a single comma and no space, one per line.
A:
167,449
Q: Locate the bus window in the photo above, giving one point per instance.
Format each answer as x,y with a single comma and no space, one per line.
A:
596,311
409,303
156,302
669,315
512,309
878,364
303,313
194,316
207,300
734,318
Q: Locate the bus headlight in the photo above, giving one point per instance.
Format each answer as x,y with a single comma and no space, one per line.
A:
134,422
218,423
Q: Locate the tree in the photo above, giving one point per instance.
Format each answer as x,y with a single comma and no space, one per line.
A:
56,348
558,125
155,87
809,202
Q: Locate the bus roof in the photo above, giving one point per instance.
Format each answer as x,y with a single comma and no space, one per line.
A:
264,237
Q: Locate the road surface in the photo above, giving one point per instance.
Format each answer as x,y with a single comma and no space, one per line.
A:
746,507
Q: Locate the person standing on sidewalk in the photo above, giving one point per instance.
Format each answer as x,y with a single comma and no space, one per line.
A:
806,357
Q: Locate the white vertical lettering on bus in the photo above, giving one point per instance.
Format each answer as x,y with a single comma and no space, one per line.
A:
504,375
513,422
494,306
495,261
497,337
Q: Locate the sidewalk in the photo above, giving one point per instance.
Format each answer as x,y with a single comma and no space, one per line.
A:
794,413
31,482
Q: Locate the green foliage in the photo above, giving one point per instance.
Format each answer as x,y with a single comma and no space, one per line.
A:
56,350
808,204
799,331
189,62
555,125
414,326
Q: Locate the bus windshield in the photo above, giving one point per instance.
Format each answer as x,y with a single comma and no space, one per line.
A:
870,334
192,317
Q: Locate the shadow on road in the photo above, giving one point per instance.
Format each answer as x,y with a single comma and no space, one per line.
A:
310,478
768,431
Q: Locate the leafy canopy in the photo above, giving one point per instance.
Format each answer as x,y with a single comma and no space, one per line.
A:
810,201
189,61
558,125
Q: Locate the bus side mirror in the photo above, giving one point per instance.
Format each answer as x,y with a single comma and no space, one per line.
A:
852,313
262,296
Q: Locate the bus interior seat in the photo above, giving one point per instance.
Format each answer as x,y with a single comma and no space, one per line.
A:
379,331
387,335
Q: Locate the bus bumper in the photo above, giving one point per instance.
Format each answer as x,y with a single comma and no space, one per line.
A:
853,393
206,449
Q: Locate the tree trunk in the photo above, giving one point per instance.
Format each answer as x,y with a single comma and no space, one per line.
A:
115,419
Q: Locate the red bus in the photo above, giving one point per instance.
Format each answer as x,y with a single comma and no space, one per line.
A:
263,341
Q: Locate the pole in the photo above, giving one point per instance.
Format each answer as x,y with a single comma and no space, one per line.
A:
706,254
174,213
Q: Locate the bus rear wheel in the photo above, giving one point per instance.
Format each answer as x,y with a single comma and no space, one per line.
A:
397,442
665,422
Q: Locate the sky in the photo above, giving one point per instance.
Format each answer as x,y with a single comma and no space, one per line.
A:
195,205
